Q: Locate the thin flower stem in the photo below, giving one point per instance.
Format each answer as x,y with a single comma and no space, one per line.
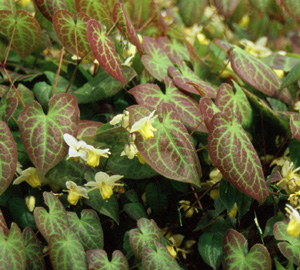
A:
113,27
58,70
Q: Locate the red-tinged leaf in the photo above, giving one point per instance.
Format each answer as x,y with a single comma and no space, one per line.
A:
279,61
23,29
226,7
254,72
233,154
126,27
236,255
234,104
156,61
7,108
49,7
88,228
66,252
3,225
8,157
185,79
289,246
87,128
72,32
208,110
104,50
53,223
176,51
225,46
144,236
191,10
293,8
97,9
186,107
171,151
12,251
42,135
98,259
295,125
8,5
159,258
34,250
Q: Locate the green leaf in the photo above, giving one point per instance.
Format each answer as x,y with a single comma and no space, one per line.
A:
66,252
42,135
12,251
293,8
254,72
210,248
295,125
53,223
98,260
72,32
34,250
104,50
171,152
126,27
290,245
8,156
8,5
88,228
186,107
23,29
135,210
156,61
292,77
49,7
102,86
279,61
226,7
158,257
191,10
236,255
156,197
234,104
145,236
234,155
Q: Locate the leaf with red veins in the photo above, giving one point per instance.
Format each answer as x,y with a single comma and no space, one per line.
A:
208,110
104,50
8,107
126,27
72,33
156,61
42,135
8,157
233,154
49,7
87,128
186,107
185,79
226,7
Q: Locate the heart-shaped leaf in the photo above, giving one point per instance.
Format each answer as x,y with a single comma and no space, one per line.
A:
88,228
34,250
187,80
12,251
54,222
156,61
126,27
42,135
290,245
234,155
186,107
208,110
235,248
23,29
254,72
104,50
158,257
145,236
191,10
66,252
49,7
171,151
98,259
8,156
226,7
87,128
7,108
72,33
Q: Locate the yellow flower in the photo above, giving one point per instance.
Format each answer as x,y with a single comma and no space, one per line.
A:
121,118
105,184
187,209
30,203
24,3
75,192
94,155
244,22
144,126
279,73
290,178
294,199
258,49
293,227
233,211
30,176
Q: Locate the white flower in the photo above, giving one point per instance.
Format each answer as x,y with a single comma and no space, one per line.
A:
121,118
29,175
77,149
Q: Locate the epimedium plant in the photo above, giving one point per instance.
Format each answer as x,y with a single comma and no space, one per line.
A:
132,130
